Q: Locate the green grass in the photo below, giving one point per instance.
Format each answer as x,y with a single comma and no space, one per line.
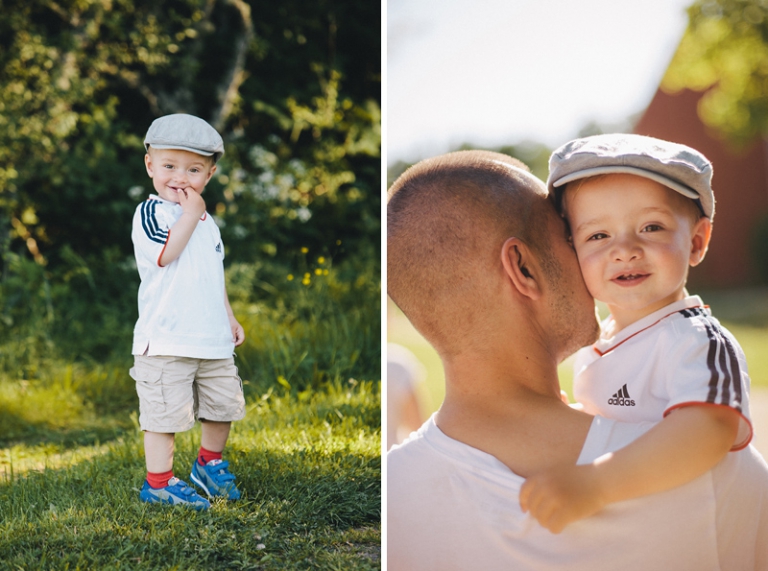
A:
308,465
307,455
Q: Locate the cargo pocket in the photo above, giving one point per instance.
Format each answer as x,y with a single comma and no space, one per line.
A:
149,388
237,374
240,397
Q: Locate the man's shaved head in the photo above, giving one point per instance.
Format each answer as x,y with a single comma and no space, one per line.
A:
447,219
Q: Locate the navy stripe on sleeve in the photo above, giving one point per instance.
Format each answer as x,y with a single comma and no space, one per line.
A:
722,362
149,223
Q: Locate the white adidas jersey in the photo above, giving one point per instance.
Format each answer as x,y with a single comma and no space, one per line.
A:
675,357
182,311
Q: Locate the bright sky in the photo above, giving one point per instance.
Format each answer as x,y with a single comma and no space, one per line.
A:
497,72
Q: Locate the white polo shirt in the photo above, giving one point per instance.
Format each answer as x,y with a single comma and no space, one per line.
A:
677,356
452,507
181,306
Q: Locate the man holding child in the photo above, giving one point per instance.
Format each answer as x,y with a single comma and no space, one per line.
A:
484,267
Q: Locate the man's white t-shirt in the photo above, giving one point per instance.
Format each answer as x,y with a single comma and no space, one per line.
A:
677,356
181,306
452,507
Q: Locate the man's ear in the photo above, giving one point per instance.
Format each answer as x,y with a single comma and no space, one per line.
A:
702,232
519,266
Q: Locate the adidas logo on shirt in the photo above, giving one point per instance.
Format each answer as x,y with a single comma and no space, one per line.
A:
218,247
621,398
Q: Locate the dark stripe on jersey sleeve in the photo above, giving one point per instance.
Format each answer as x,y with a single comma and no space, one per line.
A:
721,371
735,369
693,312
711,357
722,352
149,223
724,367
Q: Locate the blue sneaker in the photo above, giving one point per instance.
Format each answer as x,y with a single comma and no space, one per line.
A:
216,479
177,492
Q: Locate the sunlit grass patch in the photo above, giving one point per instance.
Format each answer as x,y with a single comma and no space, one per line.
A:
66,404
307,455
308,465
754,341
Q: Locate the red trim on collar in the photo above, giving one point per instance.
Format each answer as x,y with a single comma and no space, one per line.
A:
603,353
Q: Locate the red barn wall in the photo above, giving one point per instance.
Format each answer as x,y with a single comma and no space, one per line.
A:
740,183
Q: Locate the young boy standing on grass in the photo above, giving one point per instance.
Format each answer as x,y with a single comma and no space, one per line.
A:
640,213
186,333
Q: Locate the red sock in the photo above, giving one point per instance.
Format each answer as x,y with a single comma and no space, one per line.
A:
205,456
159,479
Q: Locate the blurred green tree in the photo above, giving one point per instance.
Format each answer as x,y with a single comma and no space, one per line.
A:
294,88
725,51
294,91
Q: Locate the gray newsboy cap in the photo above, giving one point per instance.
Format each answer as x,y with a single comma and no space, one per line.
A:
186,133
676,166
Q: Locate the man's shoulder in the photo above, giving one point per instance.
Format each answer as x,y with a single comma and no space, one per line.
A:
740,484
408,451
748,467
423,455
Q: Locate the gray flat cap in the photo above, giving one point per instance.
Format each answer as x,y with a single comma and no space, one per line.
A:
676,166
185,133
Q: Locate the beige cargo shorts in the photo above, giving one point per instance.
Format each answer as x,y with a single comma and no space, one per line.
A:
174,391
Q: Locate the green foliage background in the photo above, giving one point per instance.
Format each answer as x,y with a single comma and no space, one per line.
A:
725,51
294,88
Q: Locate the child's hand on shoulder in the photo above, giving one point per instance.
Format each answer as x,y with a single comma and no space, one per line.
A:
560,496
192,202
